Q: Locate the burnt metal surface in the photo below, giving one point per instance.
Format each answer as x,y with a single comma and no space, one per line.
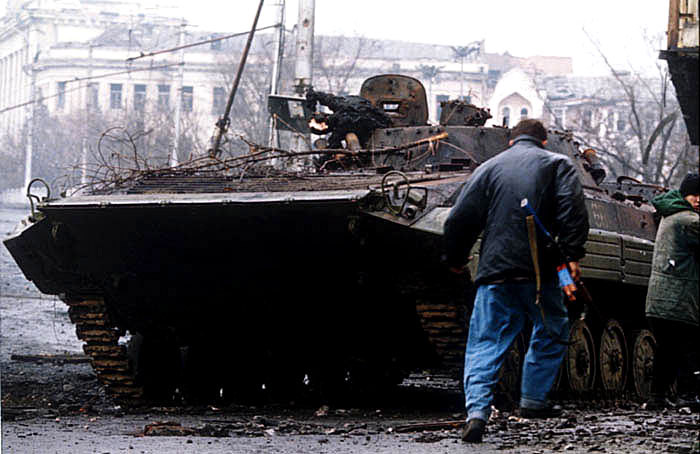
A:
628,189
290,112
402,98
459,113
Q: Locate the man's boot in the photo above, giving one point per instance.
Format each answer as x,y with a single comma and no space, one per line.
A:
689,400
473,432
550,411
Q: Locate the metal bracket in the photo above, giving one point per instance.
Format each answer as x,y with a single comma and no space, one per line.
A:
395,209
31,196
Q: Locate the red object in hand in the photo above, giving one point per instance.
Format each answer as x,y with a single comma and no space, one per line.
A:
566,282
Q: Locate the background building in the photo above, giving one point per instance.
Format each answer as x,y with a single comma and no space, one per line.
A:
72,69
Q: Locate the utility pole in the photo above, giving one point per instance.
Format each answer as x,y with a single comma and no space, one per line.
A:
30,130
279,51
303,72
484,74
88,119
461,79
305,46
178,96
31,120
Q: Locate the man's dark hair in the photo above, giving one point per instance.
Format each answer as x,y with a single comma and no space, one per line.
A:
531,127
690,185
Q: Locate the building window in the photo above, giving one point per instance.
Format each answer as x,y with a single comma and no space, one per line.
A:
610,121
115,96
219,101
187,99
621,124
139,97
587,120
215,45
93,96
61,98
163,97
505,114
523,113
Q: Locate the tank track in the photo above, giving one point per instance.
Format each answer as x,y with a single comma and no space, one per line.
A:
109,359
446,330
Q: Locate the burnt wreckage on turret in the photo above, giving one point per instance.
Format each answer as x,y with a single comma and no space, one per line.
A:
320,279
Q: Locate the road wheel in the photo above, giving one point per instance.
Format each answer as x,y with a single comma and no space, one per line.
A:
643,353
580,358
157,366
613,357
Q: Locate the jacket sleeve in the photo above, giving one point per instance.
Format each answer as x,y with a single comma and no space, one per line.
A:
692,235
571,215
466,220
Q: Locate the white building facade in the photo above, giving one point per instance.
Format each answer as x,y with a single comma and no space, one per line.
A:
71,59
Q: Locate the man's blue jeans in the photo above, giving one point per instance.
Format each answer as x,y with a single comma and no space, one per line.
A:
500,311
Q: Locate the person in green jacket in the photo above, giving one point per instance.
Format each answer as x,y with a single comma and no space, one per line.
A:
672,307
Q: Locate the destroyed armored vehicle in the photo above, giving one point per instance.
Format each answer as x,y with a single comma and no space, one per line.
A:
327,277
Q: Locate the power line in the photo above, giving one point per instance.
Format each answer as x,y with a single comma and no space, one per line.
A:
7,109
173,49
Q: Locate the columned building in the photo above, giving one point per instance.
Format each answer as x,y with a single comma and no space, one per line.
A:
72,59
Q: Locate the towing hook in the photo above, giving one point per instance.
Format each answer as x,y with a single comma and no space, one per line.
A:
385,187
33,197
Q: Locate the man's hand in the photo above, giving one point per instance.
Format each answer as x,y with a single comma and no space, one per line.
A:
575,271
462,269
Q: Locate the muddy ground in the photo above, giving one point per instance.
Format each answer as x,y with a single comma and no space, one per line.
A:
55,404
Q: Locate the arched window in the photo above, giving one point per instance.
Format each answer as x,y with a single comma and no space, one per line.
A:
523,113
505,113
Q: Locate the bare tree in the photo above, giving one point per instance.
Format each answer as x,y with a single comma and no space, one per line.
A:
632,121
12,157
249,116
336,60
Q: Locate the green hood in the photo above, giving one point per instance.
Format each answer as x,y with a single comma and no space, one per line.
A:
670,202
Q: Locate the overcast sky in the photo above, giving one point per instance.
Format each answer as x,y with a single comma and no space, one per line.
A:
520,27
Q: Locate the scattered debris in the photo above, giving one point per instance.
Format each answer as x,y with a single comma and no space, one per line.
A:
167,429
175,429
439,425
58,358
430,437
322,411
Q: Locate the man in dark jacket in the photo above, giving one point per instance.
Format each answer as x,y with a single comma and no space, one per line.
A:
672,306
506,293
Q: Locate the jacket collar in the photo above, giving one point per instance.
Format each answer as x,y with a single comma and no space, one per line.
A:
529,138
